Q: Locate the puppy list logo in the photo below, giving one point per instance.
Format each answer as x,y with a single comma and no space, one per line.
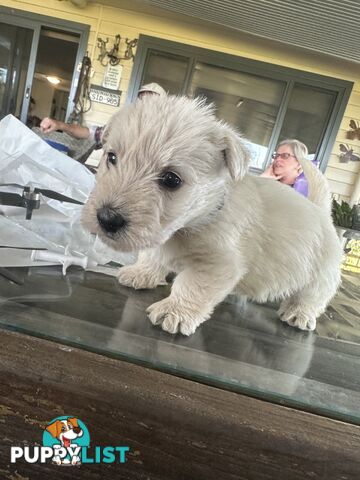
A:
66,441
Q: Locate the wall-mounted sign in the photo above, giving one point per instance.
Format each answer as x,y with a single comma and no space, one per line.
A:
105,95
112,76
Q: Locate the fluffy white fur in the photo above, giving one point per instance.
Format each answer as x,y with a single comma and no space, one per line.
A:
222,230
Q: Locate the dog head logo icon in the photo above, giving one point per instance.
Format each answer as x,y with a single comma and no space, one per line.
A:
67,436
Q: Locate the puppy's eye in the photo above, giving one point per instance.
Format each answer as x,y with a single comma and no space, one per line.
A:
170,180
111,158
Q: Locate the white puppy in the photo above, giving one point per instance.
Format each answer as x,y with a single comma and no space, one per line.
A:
173,185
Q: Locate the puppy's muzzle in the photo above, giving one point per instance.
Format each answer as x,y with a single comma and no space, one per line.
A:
110,220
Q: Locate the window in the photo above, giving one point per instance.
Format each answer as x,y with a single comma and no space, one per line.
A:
169,71
307,114
249,102
265,102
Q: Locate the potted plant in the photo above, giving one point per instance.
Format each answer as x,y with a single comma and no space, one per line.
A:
344,217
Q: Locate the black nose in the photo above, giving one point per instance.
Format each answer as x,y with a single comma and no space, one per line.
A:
109,220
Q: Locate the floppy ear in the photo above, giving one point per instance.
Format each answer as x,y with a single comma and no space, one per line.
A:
54,428
73,422
236,154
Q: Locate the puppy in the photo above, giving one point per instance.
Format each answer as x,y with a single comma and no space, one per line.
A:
65,431
173,184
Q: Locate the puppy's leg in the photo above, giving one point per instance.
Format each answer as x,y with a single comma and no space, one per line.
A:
147,272
194,294
302,309
56,458
297,313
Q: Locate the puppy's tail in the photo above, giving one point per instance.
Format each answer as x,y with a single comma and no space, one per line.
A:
318,187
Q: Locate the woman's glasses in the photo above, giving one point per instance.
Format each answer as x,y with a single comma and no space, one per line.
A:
284,156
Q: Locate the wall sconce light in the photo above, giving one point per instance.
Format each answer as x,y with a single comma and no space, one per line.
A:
113,54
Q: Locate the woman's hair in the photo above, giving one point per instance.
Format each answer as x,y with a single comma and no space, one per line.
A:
300,149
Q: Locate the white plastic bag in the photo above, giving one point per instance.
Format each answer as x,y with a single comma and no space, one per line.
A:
27,160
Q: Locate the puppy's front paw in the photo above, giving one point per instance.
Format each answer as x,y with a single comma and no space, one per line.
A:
174,317
138,278
297,317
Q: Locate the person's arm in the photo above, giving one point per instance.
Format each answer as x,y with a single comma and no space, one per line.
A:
49,125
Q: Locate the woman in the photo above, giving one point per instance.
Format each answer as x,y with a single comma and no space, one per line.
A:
286,167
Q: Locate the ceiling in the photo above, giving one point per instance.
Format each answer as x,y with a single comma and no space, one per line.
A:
330,27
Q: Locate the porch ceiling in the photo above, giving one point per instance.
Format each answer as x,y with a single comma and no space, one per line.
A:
331,27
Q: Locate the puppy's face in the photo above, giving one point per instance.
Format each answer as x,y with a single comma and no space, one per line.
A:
65,430
69,431
167,165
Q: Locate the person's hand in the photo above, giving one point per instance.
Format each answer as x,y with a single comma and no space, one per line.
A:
269,173
49,125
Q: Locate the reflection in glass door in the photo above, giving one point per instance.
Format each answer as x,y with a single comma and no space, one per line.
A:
15,50
247,101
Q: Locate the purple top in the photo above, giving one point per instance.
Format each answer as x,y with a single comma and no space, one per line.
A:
301,184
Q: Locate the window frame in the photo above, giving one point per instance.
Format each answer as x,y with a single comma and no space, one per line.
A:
291,76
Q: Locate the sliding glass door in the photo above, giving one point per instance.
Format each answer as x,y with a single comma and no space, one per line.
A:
18,45
34,48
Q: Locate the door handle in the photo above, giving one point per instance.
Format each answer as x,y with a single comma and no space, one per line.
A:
27,93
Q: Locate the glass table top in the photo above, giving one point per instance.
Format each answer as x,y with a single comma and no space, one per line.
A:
243,347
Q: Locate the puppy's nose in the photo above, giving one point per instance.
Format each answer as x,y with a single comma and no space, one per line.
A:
77,430
109,220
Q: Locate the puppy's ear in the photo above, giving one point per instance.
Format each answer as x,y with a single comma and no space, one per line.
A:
236,154
73,422
54,428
